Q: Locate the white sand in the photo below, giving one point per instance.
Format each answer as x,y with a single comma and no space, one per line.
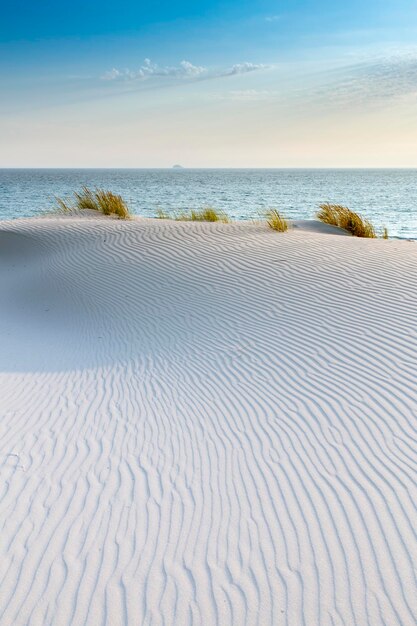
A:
206,424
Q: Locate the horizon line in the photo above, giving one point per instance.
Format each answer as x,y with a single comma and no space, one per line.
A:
184,167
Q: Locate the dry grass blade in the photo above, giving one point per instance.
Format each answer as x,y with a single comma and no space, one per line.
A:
85,199
204,215
110,203
63,206
162,215
341,216
276,221
105,202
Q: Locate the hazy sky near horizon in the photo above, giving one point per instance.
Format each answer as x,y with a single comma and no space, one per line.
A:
296,83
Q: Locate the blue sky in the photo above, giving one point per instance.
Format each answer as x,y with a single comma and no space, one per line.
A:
274,84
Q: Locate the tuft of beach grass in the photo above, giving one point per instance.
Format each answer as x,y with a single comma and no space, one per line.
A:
207,214
106,202
162,215
110,203
338,215
62,206
276,221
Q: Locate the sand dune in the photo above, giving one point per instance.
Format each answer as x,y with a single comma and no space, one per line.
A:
206,424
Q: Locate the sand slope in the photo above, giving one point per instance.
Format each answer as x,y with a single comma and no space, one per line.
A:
206,424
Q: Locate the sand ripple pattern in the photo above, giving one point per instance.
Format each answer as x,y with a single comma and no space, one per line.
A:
206,425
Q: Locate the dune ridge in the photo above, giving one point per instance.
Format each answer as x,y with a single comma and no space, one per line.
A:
206,424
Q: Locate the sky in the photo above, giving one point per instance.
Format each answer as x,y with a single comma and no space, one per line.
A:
291,83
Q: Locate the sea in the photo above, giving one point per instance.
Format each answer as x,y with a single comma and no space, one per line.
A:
388,197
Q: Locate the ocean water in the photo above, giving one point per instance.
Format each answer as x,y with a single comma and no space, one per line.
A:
387,197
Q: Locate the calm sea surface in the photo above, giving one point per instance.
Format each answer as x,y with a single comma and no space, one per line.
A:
387,197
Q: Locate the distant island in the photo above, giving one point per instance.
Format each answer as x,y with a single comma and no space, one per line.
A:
177,167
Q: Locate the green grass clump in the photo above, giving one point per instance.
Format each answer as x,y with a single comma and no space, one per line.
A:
106,202
341,216
204,215
385,233
276,221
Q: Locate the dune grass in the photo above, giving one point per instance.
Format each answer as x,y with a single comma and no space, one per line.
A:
86,199
62,206
106,202
341,216
207,214
276,221
162,215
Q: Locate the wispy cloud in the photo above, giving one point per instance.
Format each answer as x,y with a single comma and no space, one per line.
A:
375,81
185,70
243,68
272,18
148,69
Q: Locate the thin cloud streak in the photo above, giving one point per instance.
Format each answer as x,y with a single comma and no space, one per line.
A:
243,68
185,70
378,81
148,69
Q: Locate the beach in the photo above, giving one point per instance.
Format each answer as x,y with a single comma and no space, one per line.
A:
206,424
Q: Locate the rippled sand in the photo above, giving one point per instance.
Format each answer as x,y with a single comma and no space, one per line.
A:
206,424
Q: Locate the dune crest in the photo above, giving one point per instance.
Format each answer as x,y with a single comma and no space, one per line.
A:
206,424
